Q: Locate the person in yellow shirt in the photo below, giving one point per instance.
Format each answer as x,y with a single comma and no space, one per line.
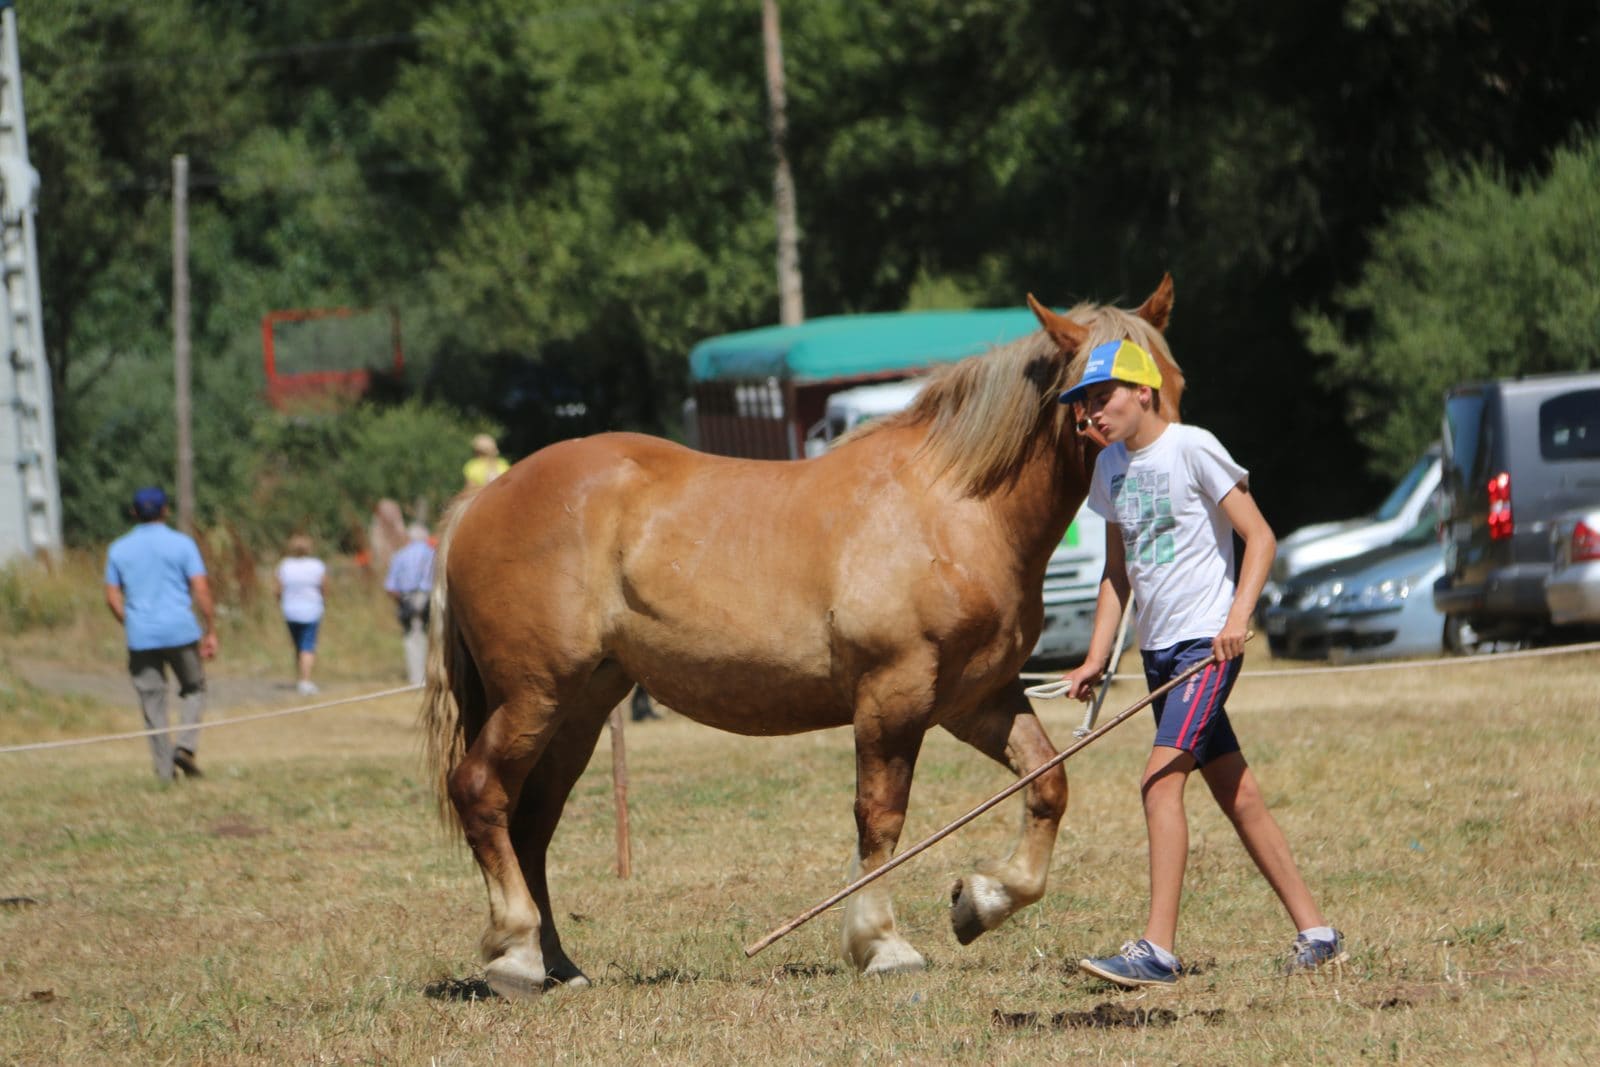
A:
486,463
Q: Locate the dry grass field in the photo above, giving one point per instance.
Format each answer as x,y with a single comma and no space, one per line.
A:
302,905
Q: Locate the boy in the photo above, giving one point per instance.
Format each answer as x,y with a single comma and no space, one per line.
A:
1173,499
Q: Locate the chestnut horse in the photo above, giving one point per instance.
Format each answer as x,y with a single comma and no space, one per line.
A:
891,585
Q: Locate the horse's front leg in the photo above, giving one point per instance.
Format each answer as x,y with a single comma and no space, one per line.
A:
1007,730
888,738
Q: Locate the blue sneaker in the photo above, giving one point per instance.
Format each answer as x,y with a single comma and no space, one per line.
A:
1136,965
1309,955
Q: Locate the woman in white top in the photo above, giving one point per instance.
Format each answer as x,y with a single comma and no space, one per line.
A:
300,583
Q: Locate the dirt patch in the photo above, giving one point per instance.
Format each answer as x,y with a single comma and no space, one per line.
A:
237,826
665,976
474,988
1103,1016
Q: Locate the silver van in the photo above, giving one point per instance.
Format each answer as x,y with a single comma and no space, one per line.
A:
1518,452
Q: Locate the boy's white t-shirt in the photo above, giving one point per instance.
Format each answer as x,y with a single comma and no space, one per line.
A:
1166,500
301,578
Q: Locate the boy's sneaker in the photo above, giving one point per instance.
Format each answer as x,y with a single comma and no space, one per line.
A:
1309,955
307,689
1136,965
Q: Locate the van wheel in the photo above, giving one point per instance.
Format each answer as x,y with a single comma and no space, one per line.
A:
1460,638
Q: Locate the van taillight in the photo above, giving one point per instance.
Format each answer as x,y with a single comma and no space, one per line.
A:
1500,507
1585,542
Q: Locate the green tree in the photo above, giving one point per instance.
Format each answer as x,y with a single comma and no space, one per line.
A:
1492,277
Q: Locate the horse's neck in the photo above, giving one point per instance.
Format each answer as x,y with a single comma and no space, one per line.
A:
1041,501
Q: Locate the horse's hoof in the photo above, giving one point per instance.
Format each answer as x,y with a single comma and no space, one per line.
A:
573,979
895,957
514,979
978,904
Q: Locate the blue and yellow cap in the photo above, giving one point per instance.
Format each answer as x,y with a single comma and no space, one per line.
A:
1121,361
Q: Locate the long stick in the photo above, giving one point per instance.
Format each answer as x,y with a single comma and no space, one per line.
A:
1093,711
619,792
928,842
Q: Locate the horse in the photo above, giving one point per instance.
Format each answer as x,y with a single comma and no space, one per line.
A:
891,585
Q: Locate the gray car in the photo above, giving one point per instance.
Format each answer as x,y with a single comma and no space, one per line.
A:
1572,591
1377,605
1412,498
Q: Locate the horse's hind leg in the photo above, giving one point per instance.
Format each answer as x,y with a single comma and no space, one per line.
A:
486,787
1007,730
543,797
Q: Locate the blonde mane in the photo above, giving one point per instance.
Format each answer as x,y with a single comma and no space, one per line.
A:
985,414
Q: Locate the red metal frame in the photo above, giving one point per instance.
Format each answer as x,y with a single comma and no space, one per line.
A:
310,383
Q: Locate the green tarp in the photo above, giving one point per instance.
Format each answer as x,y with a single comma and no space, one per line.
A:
851,346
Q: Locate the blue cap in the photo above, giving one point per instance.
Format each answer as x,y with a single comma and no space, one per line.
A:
1121,361
148,502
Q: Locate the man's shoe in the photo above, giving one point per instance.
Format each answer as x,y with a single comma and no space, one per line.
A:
1136,965
1310,955
183,759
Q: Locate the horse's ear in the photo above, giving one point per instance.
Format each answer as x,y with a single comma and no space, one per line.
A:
1067,334
1158,308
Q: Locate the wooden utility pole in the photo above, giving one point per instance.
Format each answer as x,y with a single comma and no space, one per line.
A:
180,338
619,794
791,293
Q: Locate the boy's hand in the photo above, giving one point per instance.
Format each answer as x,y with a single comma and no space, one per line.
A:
1229,644
1083,681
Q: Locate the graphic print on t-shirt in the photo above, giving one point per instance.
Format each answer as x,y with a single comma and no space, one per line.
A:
1144,512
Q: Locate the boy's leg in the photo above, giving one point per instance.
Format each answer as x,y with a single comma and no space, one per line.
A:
1239,796
148,671
1165,775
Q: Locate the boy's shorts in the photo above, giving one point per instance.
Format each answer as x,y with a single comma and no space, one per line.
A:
304,635
1192,717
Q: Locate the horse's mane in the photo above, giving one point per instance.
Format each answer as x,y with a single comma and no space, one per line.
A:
985,414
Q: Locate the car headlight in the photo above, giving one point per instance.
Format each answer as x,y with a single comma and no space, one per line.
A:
1388,593
1272,594
1321,595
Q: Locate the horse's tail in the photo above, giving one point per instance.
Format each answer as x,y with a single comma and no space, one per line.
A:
452,699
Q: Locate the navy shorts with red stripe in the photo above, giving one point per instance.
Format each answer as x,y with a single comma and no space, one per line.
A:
1193,717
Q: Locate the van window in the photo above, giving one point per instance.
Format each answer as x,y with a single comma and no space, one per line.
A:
1569,426
1463,416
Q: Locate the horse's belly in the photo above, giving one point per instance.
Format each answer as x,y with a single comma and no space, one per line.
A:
754,693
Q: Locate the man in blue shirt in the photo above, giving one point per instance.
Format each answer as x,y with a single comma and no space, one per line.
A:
409,582
154,581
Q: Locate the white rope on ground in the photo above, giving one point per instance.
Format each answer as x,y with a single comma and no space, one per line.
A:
132,734
1393,665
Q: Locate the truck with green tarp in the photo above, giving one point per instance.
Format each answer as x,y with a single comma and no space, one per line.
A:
755,392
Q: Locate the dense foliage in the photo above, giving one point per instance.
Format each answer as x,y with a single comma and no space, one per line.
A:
563,196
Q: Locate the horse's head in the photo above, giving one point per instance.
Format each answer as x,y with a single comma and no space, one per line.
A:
985,419
1088,326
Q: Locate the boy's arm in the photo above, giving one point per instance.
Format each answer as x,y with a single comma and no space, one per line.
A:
1108,609
1260,546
